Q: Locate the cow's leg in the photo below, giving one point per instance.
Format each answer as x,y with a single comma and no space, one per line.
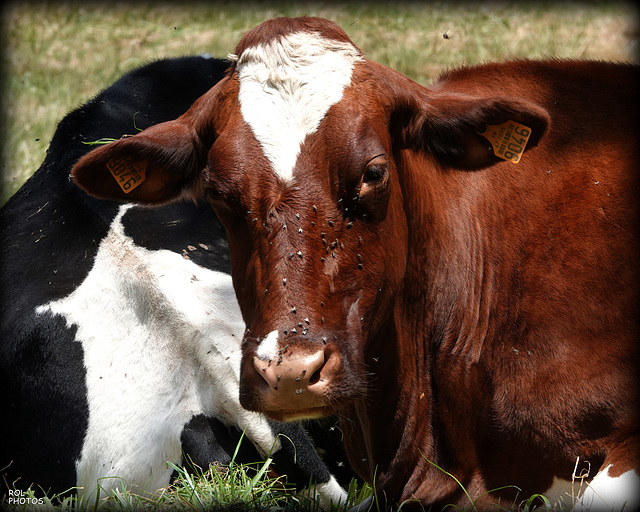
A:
200,444
207,440
298,459
293,454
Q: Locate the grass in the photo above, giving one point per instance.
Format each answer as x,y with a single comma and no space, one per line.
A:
58,55
250,488
237,488
233,488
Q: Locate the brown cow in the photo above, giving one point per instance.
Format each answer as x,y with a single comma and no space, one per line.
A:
468,307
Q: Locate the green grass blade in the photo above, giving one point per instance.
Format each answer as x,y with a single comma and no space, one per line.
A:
473,504
257,478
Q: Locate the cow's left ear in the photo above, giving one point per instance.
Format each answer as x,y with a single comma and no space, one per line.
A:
470,132
158,165
155,166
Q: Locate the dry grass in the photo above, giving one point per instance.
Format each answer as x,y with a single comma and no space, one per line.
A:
57,55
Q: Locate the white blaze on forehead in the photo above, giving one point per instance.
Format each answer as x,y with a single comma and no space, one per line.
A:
286,88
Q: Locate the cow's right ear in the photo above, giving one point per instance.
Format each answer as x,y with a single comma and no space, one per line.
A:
473,132
460,130
158,165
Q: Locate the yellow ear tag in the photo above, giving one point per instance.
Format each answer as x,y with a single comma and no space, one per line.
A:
508,139
127,172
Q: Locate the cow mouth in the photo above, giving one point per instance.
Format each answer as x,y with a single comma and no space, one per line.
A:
285,415
302,378
285,401
285,408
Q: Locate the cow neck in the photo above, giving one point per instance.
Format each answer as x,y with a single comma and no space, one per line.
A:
391,435
439,326
374,426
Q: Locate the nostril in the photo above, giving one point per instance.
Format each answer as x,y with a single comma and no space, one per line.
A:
315,377
326,366
315,364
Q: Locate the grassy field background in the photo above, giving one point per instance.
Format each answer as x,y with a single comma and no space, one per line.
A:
57,55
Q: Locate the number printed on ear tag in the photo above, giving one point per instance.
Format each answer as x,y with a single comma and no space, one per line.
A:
508,139
127,172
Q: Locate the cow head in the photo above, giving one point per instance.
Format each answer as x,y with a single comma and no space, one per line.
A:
300,151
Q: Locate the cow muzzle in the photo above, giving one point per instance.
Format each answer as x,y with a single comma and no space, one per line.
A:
293,383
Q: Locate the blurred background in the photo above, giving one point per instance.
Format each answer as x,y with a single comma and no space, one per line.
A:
57,55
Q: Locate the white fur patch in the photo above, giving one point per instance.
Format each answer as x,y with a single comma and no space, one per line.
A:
330,493
286,88
268,348
161,339
605,493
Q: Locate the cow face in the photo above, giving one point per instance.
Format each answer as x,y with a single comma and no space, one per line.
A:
300,151
317,256
304,180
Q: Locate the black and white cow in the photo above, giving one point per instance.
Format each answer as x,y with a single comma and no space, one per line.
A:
120,341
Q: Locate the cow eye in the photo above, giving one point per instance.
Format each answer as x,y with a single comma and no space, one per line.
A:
373,193
376,170
373,173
